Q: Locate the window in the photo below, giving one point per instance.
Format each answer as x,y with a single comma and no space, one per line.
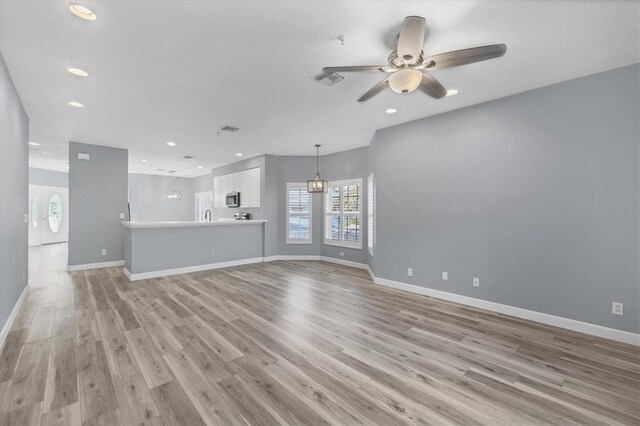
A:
371,193
343,214
204,201
298,214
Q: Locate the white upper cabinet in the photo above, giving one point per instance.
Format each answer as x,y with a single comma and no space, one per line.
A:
246,182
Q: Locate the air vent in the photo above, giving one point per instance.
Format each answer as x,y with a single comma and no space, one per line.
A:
328,78
188,157
229,129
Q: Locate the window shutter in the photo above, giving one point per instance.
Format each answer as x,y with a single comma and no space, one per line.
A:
298,214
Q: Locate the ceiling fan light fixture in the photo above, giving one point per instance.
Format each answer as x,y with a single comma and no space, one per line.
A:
405,80
82,12
317,184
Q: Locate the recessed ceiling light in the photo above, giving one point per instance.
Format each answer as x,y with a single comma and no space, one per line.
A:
239,154
144,161
199,167
76,104
82,12
452,92
390,110
171,143
78,72
34,144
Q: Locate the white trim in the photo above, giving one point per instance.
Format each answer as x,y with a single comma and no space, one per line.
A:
342,214
188,223
95,265
566,323
371,225
189,269
291,257
12,316
288,240
317,258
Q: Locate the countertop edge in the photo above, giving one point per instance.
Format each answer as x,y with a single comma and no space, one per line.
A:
138,225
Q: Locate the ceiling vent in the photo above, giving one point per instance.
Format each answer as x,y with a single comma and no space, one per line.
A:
229,129
328,78
188,157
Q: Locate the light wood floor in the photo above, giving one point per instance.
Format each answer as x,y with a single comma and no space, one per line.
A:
293,343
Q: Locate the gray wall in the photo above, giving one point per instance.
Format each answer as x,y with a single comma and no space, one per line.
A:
97,196
522,192
350,164
48,178
343,165
14,190
157,249
297,169
202,183
146,196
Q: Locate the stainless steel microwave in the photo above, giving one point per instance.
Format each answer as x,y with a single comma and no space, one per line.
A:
233,199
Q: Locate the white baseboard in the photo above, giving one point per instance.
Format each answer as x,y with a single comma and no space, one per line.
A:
291,257
189,269
14,312
569,324
95,265
316,257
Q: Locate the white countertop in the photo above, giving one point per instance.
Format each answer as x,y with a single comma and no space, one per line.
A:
183,224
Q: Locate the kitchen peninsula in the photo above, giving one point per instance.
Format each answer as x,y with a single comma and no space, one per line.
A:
155,249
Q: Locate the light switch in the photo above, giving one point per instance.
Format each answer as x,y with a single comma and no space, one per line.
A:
121,215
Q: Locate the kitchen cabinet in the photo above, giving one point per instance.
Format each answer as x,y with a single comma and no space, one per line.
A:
247,183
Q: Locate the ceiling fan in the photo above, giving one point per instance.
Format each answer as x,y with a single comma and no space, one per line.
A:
407,65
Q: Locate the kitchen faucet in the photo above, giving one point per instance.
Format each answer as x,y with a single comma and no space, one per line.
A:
207,213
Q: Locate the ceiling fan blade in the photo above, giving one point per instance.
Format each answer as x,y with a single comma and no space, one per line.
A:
360,68
374,90
463,57
411,39
432,87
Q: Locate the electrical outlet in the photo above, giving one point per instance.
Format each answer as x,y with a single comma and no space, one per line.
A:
104,252
121,215
410,272
617,308
445,275
476,282
213,253
342,254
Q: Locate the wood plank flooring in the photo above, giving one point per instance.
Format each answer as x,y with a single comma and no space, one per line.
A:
292,343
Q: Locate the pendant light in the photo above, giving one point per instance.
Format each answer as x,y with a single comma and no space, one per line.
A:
317,184
171,194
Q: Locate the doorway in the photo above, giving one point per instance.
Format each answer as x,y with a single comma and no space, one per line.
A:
48,215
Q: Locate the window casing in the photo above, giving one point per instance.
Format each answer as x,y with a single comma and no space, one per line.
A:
343,214
203,201
299,209
371,194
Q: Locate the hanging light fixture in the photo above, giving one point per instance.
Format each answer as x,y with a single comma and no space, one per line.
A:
317,184
171,194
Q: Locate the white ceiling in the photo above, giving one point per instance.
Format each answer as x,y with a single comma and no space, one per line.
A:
179,70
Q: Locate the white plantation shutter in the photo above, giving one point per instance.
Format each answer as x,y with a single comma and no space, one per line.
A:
298,214
343,214
370,208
